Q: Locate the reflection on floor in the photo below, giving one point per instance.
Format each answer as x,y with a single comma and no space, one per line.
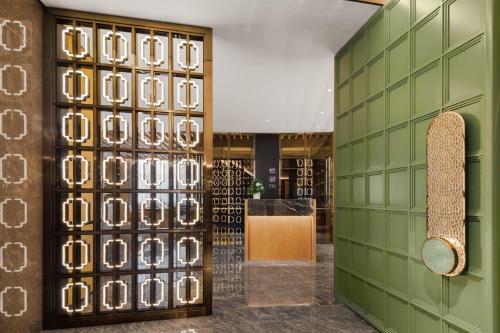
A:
257,298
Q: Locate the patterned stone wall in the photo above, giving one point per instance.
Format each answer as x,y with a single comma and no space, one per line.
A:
20,165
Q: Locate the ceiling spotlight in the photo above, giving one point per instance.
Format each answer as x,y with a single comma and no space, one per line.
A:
267,120
317,126
322,112
329,90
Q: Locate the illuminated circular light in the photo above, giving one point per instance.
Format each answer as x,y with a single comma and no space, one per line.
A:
68,246
155,263
159,138
197,209
24,263
183,280
3,220
154,80
68,117
185,122
72,73
184,83
12,180
70,29
105,86
104,129
121,161
162,291
109,219
160,165
22,45
3,299
109,285
194,170
85,168
25,83
147,61
65,294
121,244
24,127
182,45
109,35
147,202
187,240
85,209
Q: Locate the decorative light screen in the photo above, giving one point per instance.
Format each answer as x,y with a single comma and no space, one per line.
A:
127,222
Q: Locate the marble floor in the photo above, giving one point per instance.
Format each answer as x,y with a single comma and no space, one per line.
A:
295,297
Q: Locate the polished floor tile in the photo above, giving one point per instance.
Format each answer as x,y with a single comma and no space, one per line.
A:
293,297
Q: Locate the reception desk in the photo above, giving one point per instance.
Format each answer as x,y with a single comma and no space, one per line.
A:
280,230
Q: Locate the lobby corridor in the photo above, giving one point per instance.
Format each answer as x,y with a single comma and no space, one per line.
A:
262,298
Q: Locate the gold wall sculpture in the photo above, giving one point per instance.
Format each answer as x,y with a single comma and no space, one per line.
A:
444,250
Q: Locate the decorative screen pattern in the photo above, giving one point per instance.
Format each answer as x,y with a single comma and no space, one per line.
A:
128,211
230,189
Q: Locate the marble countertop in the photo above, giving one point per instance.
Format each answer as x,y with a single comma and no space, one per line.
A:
280,207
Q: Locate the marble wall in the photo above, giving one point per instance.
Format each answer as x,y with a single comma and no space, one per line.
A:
21,165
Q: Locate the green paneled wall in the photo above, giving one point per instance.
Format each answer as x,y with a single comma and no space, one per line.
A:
412,60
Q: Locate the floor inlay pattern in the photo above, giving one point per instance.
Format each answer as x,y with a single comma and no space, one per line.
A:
261,298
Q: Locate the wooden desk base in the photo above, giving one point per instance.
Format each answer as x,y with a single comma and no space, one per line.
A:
280,238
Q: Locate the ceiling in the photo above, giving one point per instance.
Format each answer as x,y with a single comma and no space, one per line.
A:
273,59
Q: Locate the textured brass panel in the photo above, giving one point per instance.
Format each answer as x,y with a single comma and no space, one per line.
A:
446,190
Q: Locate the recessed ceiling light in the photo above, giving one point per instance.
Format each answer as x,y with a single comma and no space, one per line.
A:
267,120
329,90
317,126
322,112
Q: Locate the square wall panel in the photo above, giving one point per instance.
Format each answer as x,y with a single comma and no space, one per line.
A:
419,232
358,258
344,66
397,273
424,7
358,53
376,113
344,98
473,186
397,185
358,122
428,40
465,293
397,314
341,282
473,116
397,231
342,222
466,72
376,190
358,191
358,88
399,18
375,226
457,10
344,128
358,156
399,60
398,153
358,225
342,158
427,91
474,248
375,34
342,253
419,188
376,75
375,303
376,151
425,286
399,103
375,265
357,292
424,321
418,138
342,194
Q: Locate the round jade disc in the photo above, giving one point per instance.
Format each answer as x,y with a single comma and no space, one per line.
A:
438,256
